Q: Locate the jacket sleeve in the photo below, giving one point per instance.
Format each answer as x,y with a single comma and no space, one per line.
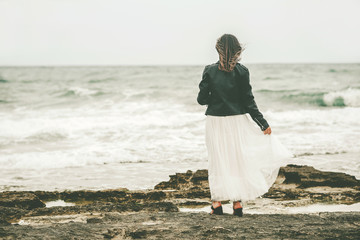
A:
204,93
250,104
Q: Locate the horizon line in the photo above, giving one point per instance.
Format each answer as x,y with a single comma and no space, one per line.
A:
165,65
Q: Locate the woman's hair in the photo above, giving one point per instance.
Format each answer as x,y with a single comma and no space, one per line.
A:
229,50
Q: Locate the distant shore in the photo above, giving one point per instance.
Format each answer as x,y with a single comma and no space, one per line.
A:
156,213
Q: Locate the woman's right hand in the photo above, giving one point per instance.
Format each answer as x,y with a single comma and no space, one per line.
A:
267,131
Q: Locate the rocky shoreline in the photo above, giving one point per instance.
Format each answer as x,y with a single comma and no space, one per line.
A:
155,213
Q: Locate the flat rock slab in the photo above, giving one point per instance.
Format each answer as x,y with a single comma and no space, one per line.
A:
24,200
307,176
180,225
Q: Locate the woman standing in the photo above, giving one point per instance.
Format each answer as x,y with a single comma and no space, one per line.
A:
243,160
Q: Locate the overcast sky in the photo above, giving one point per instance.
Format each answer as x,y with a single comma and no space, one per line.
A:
151,32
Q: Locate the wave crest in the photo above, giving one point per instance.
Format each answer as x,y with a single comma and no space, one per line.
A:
78,91
348,97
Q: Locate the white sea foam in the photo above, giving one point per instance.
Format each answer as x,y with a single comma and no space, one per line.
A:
80,91
131,132
348,97
152,132
318,131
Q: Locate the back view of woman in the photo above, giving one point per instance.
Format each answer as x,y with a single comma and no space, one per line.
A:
243,159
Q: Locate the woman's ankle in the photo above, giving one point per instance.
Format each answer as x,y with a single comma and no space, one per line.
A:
216,204
237,204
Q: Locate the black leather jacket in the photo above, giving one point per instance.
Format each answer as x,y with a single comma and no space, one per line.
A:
229,93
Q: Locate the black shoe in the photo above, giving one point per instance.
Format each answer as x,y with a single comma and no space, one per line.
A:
217,211
238,212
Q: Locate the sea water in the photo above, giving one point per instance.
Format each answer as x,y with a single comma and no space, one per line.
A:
98,127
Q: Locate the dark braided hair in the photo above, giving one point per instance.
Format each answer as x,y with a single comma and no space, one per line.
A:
229,50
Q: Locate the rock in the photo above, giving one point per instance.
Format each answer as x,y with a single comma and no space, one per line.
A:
111,195
106,207
197,192
47,196
138,194
23,200
181,225
115,234
294,182
302,176
155,196
177,181
306,176
94,220
192,203
189,185
4,222
161,206
200,175
11,214
300,182
295,185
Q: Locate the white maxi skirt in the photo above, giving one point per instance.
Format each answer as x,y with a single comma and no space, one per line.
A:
243,163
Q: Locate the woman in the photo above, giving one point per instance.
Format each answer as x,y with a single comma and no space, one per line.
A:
243,160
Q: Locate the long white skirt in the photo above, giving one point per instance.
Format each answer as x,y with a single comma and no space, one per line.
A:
243,163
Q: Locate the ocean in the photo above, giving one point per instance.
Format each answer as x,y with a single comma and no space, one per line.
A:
101,127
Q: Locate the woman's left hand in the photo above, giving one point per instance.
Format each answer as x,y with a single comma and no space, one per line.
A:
268,131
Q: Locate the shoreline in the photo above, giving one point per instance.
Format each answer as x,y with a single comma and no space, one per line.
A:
136,176
128,214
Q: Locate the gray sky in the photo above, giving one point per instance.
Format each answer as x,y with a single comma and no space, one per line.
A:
151,32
